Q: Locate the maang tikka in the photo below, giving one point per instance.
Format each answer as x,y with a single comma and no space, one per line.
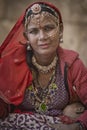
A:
37,9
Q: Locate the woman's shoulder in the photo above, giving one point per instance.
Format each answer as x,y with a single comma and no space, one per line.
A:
68,51
68,56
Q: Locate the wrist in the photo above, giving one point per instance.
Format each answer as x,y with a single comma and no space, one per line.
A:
81,126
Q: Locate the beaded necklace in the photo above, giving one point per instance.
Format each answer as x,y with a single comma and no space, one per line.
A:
45,69
42,96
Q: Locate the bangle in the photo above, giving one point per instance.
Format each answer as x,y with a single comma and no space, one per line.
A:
80,126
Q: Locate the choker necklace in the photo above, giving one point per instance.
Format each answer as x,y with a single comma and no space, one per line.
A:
45,69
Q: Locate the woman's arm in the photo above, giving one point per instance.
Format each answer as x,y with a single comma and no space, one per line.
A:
61,126
79,80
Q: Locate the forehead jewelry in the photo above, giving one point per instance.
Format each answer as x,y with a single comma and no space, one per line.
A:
37,9
39,18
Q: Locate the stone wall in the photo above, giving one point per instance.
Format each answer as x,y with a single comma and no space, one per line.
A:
74,13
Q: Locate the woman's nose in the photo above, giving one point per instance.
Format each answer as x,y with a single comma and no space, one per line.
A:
42,35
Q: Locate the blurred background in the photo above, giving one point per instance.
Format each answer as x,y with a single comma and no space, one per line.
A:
74,14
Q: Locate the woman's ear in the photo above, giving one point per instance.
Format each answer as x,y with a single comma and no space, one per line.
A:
61,33
25,35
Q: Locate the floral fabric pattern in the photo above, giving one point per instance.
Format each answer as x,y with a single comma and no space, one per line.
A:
28,122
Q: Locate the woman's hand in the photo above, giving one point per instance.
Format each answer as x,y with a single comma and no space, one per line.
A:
61,126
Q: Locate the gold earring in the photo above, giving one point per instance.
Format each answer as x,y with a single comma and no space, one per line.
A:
61,40
28,46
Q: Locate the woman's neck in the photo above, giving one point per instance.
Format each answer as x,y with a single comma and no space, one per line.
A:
44,60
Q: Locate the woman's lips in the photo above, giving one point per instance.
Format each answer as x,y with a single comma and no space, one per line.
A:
44,46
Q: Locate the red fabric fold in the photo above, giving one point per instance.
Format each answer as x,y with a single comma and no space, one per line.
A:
16,75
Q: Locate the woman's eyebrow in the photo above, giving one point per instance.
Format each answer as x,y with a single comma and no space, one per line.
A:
32,28
49,25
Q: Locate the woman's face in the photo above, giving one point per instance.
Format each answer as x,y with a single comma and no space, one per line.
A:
43,34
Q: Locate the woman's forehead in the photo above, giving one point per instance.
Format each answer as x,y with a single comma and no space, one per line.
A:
32,26
41,22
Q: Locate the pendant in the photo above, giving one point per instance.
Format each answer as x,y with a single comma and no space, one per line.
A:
30,87
53,86
43,107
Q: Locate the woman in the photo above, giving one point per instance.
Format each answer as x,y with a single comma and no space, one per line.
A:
39,78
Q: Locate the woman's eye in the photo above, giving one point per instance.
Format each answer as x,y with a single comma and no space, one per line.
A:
49,28
34,31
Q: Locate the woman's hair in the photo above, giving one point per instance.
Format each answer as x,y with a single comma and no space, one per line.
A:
29,54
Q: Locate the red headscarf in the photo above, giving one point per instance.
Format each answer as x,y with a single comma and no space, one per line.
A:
15,75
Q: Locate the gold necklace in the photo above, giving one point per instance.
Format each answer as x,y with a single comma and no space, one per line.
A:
45,69
41,101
